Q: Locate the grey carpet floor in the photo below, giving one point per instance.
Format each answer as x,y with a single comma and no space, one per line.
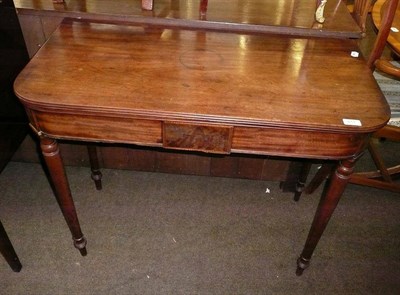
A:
151,233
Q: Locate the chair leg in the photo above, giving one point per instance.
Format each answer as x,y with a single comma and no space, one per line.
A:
94,166
7,250
319,177
362,180
382,178
373,150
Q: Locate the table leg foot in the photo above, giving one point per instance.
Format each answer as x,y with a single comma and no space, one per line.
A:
80,244
96,177
17,266
302,264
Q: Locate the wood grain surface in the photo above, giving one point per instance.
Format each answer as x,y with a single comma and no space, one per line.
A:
119,84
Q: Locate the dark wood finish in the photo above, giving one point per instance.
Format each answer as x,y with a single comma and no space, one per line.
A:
301,181
159,160
327,205
268,89
52,157
95,166
249,16
8,252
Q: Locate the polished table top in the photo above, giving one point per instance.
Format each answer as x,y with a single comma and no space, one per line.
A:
207,77
394,36
294,17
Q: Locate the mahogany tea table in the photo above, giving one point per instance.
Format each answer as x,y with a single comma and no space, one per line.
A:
212,92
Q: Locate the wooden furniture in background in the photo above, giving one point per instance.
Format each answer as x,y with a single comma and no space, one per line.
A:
384,177
359,10
393,39
384,13
13,121
13,57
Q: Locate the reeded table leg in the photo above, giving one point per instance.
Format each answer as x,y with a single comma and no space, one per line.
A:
94,166
7,250
55,165
327,205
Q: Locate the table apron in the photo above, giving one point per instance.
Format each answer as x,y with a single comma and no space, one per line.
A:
286,142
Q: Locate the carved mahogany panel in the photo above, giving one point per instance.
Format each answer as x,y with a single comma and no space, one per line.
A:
212,139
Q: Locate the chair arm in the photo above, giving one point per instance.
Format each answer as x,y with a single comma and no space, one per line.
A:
389,132
387,67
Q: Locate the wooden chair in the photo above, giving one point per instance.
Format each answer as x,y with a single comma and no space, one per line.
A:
383,177
360,9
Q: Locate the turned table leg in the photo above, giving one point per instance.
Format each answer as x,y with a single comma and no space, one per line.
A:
58,177
327,205
8,251
94,166
301,181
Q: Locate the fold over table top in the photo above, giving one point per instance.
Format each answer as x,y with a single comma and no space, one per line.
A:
224,78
